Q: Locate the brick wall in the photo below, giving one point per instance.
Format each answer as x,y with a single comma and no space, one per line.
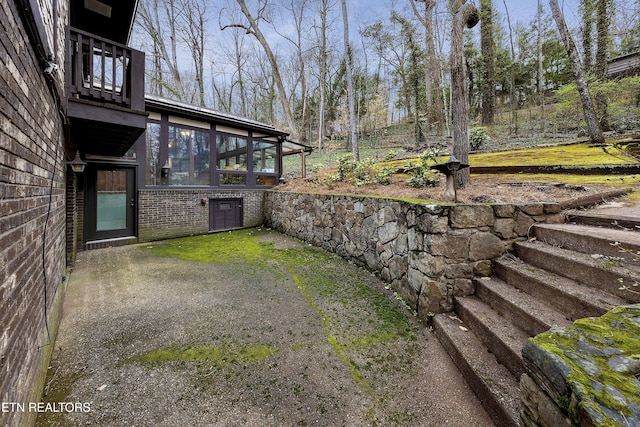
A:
32,215
165,214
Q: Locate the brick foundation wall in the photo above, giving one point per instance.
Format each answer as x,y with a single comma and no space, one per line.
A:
32,216
165,214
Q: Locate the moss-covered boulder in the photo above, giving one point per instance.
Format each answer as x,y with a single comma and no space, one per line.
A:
591,370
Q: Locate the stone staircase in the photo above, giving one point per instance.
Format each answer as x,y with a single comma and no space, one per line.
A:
562,273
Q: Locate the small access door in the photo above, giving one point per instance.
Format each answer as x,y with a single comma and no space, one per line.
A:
111,203
225,214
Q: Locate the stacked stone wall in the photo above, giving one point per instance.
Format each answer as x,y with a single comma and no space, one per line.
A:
32,212
429,253
165,214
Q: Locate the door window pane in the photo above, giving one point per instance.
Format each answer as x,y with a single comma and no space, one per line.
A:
111,200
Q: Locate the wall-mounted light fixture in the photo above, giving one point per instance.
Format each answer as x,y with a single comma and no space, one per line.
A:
166,168
77,165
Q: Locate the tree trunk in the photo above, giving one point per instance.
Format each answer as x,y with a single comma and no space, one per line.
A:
487,46
323,69
512,88
432,73
540,77
593,127
350,91
464,14
600,69
586,30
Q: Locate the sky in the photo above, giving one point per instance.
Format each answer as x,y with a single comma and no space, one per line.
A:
519,10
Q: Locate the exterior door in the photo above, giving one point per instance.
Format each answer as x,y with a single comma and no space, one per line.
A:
225,214
111,203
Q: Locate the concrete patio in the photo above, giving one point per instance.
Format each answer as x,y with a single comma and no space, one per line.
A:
247,328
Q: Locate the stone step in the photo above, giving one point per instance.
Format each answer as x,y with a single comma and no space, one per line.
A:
605,220
493,384
591,239
598,272
564,294
497,333
523,310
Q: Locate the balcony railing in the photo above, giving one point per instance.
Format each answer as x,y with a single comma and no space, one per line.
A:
104,71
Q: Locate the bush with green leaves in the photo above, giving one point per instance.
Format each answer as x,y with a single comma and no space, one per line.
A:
420,173
363,172
477,137
622,99
391,154
384,175
345,166
314,169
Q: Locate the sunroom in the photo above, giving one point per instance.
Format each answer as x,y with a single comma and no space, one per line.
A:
202,170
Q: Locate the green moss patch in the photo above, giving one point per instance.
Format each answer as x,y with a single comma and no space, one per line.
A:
613,180
602,354
568,155
358,319
216,356
217,247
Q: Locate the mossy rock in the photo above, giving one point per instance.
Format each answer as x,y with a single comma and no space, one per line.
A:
592,369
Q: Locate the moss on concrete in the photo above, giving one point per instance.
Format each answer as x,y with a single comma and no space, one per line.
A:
216,356
325,291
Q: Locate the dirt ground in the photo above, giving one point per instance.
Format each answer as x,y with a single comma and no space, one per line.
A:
250,328
482,189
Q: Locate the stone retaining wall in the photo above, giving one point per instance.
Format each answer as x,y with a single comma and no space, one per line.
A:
429,253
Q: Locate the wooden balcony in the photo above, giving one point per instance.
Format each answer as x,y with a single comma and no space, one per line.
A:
105,87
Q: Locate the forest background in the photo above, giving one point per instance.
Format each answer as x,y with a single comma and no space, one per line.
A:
283,62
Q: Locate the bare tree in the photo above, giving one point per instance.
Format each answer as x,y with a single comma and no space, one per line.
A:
228,83
464,14
192,31
593,127
158,20
432,72
349,77
322,72
296,9
253,28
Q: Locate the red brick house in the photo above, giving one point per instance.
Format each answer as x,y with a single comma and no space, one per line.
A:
72,94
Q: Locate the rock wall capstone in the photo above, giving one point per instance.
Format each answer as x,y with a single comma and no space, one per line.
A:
584,375
428,252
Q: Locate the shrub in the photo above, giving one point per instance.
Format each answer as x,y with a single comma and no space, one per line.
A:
391,154
477,137
346,165
420,174
383,176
